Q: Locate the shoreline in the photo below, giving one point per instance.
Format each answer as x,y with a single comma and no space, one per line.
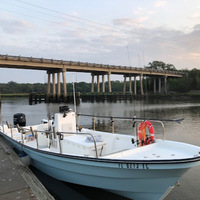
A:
150,96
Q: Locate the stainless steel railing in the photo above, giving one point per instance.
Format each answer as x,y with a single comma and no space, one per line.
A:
60,135
133,119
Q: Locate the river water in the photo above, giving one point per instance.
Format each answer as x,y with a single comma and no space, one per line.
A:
188,131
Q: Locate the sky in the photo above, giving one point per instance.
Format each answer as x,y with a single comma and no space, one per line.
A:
117,32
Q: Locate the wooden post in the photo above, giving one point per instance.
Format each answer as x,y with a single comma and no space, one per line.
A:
112,124
40,98
79,117
94,121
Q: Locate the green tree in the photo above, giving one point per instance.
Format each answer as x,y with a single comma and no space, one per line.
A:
161,66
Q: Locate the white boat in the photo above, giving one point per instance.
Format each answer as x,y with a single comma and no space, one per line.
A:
113,162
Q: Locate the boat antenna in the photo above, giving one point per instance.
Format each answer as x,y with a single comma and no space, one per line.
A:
74,96
48,111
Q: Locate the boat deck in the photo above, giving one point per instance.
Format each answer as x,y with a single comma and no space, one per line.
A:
160,150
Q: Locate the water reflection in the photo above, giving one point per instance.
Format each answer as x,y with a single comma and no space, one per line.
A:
62,191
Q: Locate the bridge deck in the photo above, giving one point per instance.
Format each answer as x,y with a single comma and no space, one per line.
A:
18,62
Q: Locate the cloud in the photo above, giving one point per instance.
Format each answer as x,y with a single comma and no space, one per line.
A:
159,4
74,13
130,22
142,11
196,15
96,44
195,54
196,27
13,26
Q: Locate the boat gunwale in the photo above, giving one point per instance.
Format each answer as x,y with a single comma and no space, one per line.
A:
104,160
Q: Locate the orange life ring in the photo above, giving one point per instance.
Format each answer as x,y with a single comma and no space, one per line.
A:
143,139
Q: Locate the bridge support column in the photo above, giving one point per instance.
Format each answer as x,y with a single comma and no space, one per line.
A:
98,84
92,88
64,84
49,86
0,104
165,81
145,85
109,82
103,84
159,85
154,85
58,86
149,88
135,86
54,86
141,84
130,84
124,84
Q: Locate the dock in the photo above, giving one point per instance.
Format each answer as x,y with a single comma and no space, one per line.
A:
16,180
109,97
35,98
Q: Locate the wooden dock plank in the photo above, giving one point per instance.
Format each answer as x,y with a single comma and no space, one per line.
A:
16,180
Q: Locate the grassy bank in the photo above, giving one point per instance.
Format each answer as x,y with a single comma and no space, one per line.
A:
15,95
157,95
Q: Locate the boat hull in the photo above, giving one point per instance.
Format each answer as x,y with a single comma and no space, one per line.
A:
137,180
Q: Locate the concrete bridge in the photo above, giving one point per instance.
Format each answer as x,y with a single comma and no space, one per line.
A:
54,67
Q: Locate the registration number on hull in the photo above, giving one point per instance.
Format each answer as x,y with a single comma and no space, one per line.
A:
133,166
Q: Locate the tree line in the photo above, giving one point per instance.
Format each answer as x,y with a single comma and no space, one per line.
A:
83,87
190,82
